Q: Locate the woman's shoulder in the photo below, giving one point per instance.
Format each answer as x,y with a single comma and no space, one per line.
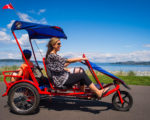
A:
53,55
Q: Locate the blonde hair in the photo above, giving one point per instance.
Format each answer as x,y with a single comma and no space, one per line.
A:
53,41
50,44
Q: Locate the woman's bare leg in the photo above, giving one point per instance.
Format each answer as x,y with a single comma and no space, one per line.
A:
91,86
79,70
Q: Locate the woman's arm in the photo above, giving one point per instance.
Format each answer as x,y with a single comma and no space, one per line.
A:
71,60
66,64
67,69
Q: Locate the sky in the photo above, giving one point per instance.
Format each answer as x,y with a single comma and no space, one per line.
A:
105,30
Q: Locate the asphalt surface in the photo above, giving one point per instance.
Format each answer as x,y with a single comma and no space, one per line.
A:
75,109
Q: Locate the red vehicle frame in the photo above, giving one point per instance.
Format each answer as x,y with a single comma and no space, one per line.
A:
74,91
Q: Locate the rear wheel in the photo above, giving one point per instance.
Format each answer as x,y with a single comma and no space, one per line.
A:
127,104
23,98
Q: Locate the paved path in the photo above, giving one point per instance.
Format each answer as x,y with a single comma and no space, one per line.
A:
69,109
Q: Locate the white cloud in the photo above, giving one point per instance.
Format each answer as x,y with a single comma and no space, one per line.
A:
41,11
24,17
27,18
4,36
10,55
40,41
42,21
37,12
108,57
40,53
147,45
23,40
3,29
70,54
41,50
94,57
17,54
10,24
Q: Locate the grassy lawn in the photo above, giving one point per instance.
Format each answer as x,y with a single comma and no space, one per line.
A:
130,80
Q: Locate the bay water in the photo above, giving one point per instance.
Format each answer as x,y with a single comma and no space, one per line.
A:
106,66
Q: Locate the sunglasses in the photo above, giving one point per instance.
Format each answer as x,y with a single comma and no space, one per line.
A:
58,43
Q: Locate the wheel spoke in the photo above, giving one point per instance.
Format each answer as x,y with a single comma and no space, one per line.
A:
126,101
25,104
18,104
124,96
122,105
23,98
118,102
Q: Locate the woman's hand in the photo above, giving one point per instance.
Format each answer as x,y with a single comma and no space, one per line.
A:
84,59
66,69
66,64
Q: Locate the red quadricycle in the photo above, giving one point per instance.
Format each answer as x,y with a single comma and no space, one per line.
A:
24,94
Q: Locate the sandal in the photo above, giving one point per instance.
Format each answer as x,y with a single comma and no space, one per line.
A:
103,93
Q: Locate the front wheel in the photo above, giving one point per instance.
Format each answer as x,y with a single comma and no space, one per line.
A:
127,104
23,98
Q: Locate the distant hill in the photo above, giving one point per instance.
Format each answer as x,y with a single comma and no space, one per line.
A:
13,60
132,63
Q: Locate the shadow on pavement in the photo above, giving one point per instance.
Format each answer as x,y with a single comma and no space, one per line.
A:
63,103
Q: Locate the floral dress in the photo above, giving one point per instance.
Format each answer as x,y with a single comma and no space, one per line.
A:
55,69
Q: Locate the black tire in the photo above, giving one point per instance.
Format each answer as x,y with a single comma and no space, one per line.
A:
128,101
23,98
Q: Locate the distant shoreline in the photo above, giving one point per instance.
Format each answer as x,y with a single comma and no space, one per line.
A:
137,73
119,63
133,63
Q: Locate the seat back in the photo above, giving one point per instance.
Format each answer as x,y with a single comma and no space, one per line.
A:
49,79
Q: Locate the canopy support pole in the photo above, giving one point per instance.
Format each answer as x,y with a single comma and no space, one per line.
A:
33,53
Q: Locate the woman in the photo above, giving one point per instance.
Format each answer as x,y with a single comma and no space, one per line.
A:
23,67
62,76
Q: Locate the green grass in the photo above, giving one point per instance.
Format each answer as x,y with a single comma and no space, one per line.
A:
131,79
7,68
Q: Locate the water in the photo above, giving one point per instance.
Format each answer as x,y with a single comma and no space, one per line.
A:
106,66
